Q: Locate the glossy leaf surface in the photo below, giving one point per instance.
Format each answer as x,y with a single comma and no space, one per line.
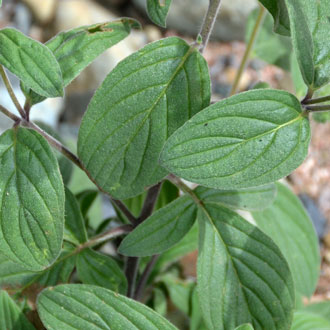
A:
77,306
31,199
250,199
33,63
163,229
242,275
77,48
138,106
247,140
158,10
11,317
288,224
99,269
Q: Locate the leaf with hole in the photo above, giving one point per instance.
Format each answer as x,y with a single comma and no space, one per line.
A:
158,10
31,199
163,229
288,224
99,269
310,36
279,11
247,140
77,48
79,306
242,276
33,63
11,317
139,105
250,199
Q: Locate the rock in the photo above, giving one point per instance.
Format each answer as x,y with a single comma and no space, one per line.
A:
42,10
186,16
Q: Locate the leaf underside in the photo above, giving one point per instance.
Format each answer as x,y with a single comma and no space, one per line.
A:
138,106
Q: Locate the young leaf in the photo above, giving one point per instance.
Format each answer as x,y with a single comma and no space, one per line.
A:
309,321
77,306
310,30
141,102
161,230
33,63
86,198
75,231
291,229
99,269
11,317
242,275
250,199
247,140
158,10
31,199
76,49
278,10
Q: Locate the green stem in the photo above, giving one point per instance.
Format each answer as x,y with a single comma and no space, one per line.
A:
318,108
11,91
9,114
248,49
208,23
317,100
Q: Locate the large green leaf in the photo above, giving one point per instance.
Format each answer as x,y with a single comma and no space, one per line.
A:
310,35
250,199
242,275
31,199
247,140
33,63
77,306
11,317
158,10
76,49
75,230
99,269
278,10
139,105
163,229
287,223
321,309
309,321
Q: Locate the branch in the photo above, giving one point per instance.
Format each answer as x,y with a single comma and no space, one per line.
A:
11,91
318,108
248,49
208,23
317,100
9,114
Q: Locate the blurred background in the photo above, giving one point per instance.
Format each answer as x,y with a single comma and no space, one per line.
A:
271,63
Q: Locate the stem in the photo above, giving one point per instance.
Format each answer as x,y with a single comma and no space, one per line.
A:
318,108
308,96
9,114
248,49
11,91
208,23
132,263
317,100
144,278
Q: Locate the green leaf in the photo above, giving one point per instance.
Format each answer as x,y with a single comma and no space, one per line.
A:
77,306
288,224
33,63
0,3
309,321
242,275
99,269
298,81
31,199
141,102
76,49
196,318
245,326
11,317
159,301
250,199
75,231
310,33
269,46
322,309
247,140
163,229
158,10
86,198
280,14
